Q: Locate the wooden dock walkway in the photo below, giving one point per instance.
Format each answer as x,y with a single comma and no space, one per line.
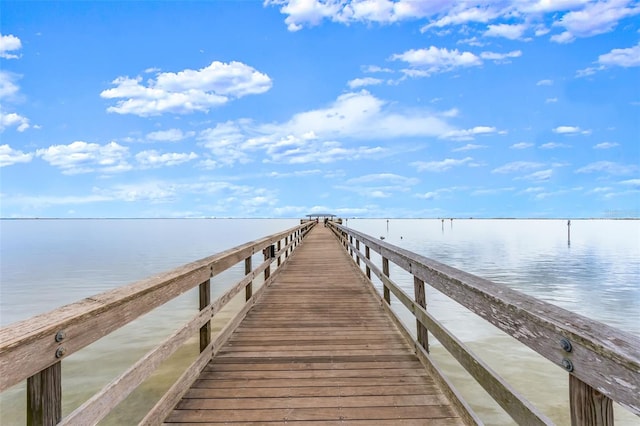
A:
317,347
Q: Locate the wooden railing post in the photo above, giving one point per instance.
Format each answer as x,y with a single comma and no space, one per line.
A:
358,250
350,244
205,300
286,243
248,290
589,407
279,246
421,299
367,254
267,256
385,270
44,396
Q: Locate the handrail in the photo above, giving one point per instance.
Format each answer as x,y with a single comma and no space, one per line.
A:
603,362
34,348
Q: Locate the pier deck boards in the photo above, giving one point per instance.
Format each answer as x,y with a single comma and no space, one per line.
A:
317,347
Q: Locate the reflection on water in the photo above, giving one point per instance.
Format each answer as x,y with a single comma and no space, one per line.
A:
45,264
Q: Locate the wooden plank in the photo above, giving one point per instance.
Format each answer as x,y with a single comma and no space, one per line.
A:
312,414
343,422
314,391
257,403
310,374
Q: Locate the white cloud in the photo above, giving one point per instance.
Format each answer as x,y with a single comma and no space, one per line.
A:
462,13
186,91
517,166
608,167
302,13
379,185
8,44
361,115
153,159
8,88
8,92
440,166
567,130
493,191
554,145
595,18
500,57
328,134
170,135
521,145
467,134
13,119
631,182
539,176
436,60
512,32
550,100
544,83
225,141
629,57
469,147
82,157
362,82
606,145
577,18
10,156
376,69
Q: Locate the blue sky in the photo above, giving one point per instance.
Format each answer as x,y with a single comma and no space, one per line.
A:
368,108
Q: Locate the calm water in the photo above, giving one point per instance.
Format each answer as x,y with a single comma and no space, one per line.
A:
48,263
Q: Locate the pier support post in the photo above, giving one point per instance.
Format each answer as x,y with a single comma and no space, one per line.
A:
358,250
44,396
248,290
421,299
589,407
205,300
385,270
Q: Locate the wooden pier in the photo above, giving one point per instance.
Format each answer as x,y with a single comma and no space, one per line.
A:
315,342
318,347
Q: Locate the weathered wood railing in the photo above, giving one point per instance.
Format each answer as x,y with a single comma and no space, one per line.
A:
603,363
33,349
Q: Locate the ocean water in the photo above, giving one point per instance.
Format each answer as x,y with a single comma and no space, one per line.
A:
45,264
